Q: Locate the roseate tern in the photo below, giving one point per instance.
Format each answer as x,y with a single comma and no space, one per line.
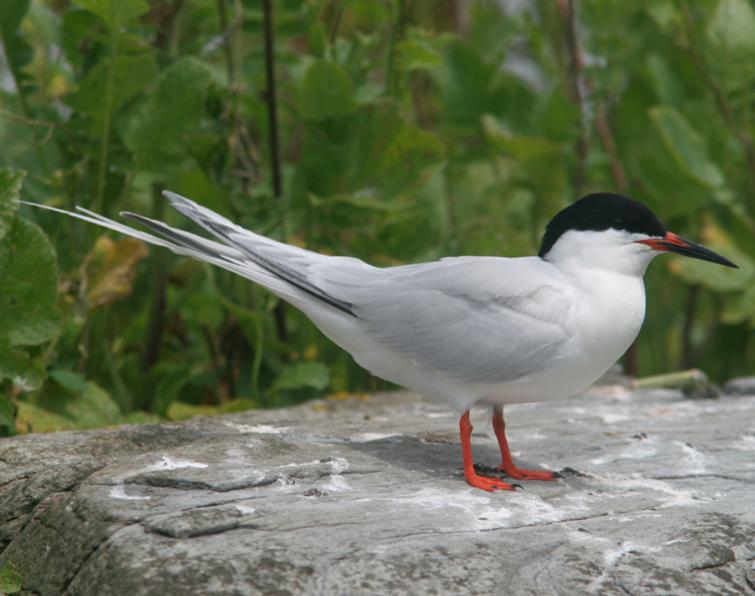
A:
466,330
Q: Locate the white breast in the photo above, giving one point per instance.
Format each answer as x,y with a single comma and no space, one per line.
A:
604,324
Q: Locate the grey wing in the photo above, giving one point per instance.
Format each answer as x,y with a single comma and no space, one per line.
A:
478,319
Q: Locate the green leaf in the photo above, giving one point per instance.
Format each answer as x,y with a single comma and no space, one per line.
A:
7,418
327,92
40,420
69,401
686,145
160,130
11,14
422,49
115,13
10,190
731,30
131,75
10,579
28,289
358,201
72,382
17,366
720,279
16,51
28,278
314,375
374,152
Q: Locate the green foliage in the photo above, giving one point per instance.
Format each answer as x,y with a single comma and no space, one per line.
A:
687,146
408,131
163,126
11,580
326,92
303,374
28,314
115,13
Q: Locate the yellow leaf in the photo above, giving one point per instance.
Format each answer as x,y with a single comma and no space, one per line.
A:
179,410
108,271
311,353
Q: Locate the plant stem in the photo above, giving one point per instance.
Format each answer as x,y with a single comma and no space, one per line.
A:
338,13
391,74
271,97
272,119
102,159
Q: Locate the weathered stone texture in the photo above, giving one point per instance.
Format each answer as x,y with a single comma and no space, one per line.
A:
367,497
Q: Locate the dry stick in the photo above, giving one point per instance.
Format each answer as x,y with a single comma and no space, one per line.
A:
272,119
576,89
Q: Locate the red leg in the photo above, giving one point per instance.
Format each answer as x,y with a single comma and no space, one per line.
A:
474,479
507,463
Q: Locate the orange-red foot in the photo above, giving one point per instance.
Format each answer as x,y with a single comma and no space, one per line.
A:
521,474
487,483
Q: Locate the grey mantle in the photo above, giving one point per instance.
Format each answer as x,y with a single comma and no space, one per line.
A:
366,496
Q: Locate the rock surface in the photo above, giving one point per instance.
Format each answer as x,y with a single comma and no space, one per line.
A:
367,497
741,386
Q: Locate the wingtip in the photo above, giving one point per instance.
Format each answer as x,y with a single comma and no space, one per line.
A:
174,197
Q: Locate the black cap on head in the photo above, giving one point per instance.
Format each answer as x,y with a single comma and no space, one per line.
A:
601,211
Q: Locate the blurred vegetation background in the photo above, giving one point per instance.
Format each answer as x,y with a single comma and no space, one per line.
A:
392,130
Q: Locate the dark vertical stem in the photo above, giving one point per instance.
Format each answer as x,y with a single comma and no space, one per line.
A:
391,73
338,14
156,322
270,96
272,119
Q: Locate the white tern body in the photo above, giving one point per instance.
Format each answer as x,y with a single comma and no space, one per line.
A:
465,330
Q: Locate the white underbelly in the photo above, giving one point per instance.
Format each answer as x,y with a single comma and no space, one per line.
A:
595,344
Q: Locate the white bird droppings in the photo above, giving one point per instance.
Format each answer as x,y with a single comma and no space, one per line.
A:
264,429
118,491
